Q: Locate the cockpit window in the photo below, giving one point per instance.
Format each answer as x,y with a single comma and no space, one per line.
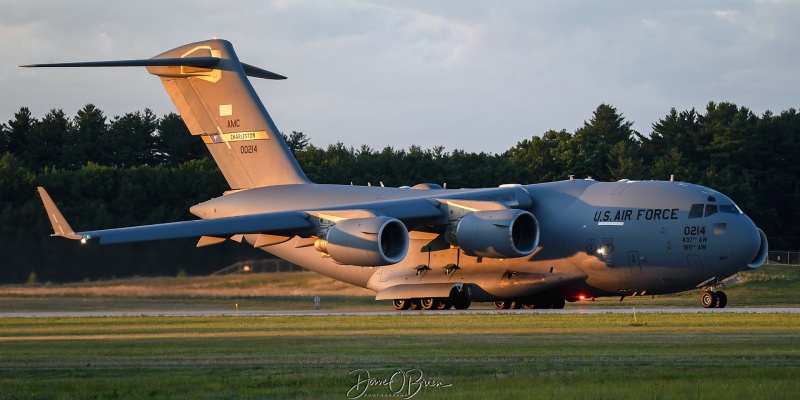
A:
696,211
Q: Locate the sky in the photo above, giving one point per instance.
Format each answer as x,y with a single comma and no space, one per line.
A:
479,76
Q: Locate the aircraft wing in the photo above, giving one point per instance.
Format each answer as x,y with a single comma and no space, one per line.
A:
257,223
272,222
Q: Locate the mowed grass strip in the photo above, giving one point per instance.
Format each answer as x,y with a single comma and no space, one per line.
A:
466,382
501,356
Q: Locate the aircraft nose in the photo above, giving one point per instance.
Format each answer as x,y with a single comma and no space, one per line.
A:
747,244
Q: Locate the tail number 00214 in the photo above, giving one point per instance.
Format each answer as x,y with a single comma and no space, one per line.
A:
248,149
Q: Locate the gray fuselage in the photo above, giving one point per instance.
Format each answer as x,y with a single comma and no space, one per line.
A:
597,238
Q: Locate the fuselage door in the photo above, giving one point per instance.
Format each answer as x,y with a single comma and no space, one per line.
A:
633,262
694,262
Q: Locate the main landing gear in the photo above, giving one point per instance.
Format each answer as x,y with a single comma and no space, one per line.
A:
542,303
432,303
714,299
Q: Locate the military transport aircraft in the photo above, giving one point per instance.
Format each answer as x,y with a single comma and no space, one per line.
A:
531,246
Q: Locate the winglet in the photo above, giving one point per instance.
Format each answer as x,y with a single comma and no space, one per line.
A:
60,225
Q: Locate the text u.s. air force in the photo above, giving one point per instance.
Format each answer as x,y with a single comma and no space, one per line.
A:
635,214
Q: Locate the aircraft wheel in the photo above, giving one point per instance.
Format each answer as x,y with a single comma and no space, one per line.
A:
708,299
722,300
401,304
429,303
499,305
444,304
461,303
542,304
558,304
527,306
516,305
414,304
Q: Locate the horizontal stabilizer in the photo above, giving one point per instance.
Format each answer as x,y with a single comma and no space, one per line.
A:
199,62
206,62
256,72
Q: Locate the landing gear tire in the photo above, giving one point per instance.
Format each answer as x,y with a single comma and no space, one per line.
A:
709,299
444,304
414,304
500,305
558,304
722,300
429,303
401,304
461,303
516,305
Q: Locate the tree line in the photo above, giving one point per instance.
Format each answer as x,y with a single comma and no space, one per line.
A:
140,169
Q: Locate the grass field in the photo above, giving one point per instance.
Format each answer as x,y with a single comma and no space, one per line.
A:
605,356
476,356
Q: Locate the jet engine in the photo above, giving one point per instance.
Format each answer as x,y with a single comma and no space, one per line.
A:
367,242
506,233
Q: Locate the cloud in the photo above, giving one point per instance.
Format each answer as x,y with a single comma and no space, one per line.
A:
479,76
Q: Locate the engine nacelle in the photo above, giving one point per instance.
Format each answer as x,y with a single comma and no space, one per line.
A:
367,242
507,233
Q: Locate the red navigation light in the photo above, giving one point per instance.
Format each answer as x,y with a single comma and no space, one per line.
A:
581,297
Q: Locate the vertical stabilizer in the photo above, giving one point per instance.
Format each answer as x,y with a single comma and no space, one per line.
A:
219,104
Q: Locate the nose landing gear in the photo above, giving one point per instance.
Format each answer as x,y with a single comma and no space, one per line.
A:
714,299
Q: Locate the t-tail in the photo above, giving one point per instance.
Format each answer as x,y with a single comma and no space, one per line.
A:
210,89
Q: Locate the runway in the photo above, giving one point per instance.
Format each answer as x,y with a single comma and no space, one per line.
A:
274,313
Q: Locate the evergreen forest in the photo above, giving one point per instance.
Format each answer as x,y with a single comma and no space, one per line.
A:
140,168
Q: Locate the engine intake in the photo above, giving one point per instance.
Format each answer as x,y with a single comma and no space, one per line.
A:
367,242
507,233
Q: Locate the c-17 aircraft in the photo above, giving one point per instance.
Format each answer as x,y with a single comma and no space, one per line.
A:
531,246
